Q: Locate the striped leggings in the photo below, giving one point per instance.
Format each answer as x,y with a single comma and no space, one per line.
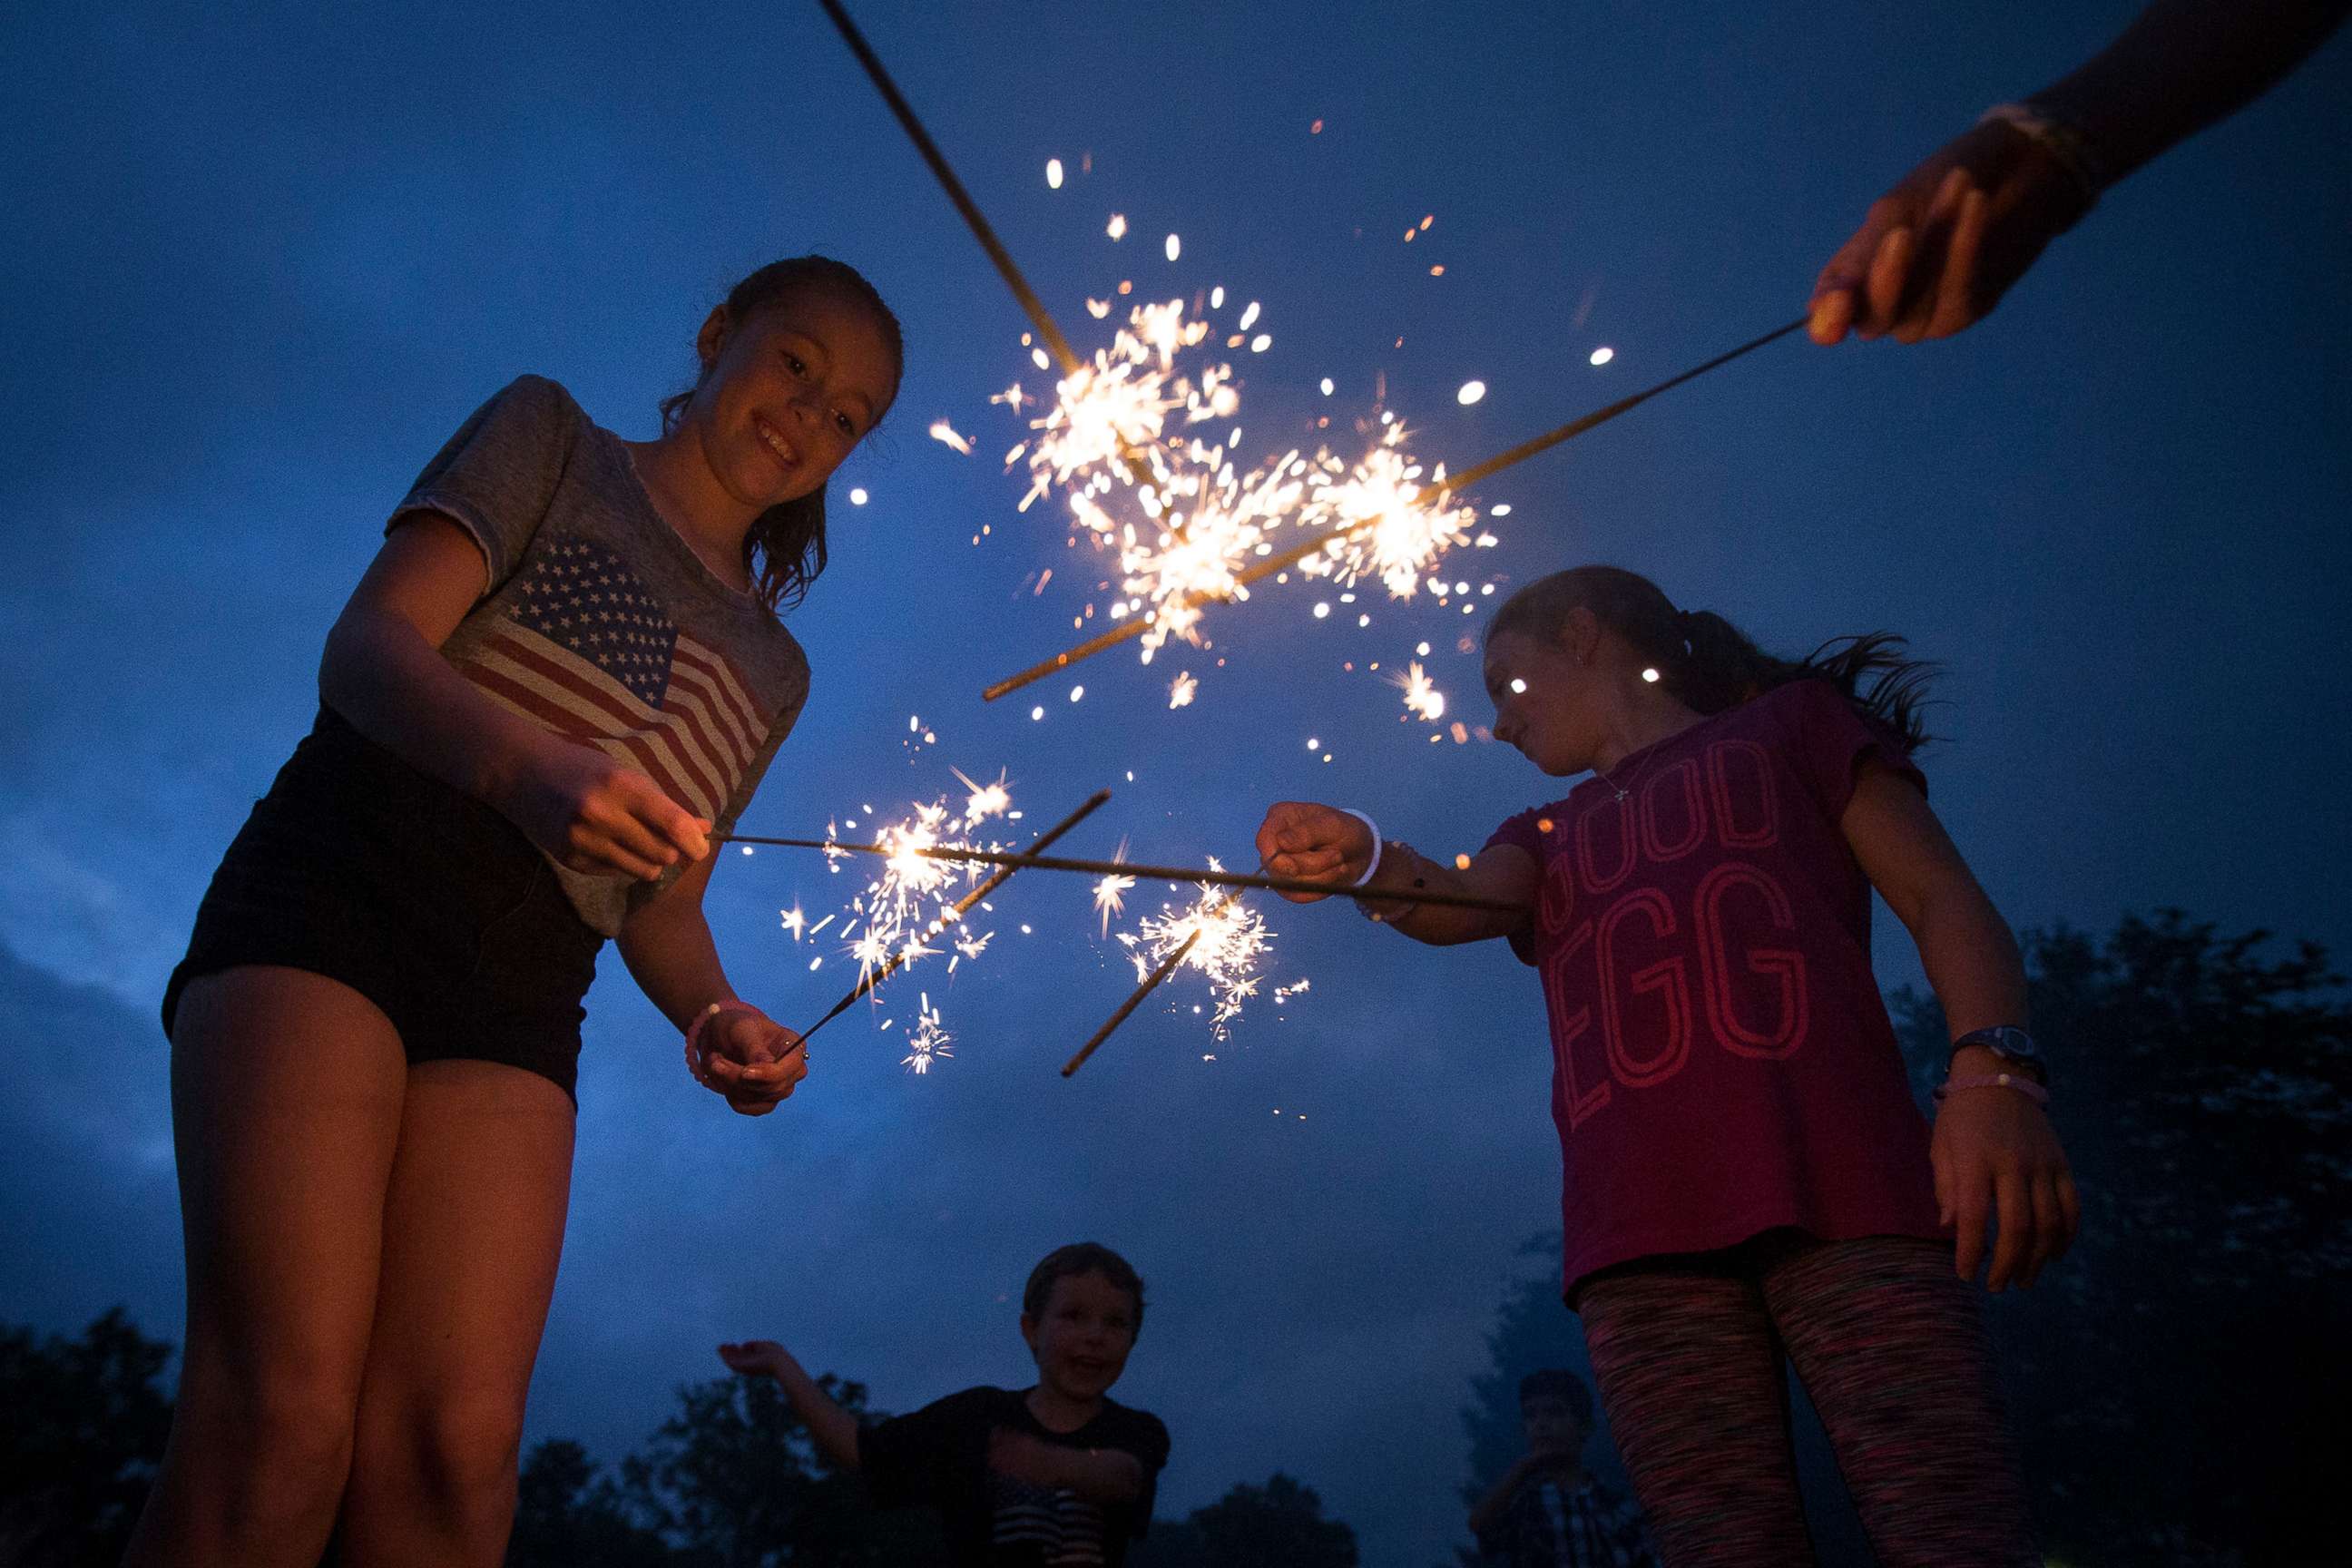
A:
1690,1354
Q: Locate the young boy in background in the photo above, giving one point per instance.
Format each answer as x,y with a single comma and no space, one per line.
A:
1547,1511
1055,1474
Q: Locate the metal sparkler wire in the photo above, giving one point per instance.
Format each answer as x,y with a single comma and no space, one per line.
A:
1039,316
963,906
1014,859
1282,560
1056,343
1150,983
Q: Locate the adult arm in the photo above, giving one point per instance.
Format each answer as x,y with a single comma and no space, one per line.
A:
1994,1152
1936,254
1324,844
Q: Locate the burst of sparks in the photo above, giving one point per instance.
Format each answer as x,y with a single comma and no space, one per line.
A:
908,906
1422,698
1232,941
1140,445
1110,893
928,1042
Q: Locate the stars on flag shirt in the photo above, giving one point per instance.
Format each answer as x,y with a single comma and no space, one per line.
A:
600,624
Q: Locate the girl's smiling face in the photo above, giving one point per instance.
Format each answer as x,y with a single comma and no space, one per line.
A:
788,391
1541,693
1082,1338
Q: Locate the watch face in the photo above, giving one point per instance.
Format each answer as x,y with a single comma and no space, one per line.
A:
2013,1043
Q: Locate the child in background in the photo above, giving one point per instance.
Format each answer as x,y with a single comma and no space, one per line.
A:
1745,1176
1055,1474
1547,1511
564,672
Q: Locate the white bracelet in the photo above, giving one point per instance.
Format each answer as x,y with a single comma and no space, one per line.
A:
1373,869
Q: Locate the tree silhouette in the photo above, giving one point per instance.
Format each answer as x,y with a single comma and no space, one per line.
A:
81,1430
733,1480
1278,1525
2179,1383
567,1515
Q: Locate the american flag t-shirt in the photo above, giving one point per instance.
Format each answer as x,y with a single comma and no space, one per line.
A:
584,649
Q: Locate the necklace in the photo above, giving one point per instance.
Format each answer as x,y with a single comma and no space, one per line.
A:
1624,788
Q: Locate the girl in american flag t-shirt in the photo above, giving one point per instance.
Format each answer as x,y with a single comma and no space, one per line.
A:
1748,1183
564,675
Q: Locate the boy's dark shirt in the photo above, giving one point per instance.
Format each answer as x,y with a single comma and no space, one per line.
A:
939,1455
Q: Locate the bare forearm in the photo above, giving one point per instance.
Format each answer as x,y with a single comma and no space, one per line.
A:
393,686
2182,65
671,956
834,1428
1404,873
1972,962
1098,1474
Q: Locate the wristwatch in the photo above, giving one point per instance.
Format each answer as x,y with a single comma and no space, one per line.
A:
2012,1045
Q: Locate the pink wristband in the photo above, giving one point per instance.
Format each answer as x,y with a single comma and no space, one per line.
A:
698,1060
2018,1081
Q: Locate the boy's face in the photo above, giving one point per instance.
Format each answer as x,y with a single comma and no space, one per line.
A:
1553,1430
1082,1336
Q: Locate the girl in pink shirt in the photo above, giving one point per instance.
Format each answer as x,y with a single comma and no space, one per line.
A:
1748,1183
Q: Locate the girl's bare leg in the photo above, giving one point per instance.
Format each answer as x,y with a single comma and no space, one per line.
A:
473,1227
287,1090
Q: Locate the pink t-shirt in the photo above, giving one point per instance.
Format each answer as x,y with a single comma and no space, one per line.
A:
1722,1063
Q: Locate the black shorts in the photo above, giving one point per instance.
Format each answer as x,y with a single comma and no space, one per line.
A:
420,897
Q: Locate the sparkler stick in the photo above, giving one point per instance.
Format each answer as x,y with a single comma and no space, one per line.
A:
1056,343
1152,983
1282,560
1014,859
874,977
1039,316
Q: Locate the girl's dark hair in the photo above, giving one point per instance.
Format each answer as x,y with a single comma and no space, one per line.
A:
1708,664
1070,1262
785,548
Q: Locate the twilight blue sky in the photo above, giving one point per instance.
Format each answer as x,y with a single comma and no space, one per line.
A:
266,257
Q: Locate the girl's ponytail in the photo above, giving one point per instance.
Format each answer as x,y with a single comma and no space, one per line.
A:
1708,664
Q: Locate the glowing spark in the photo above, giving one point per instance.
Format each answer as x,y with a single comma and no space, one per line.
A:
1471,391
928,1041
1232,941
1181,689
944,433
794,922
1249,317
1327,386
1175,247
1517,685
1603,355
1117,228
1651,676
985,801
1053,173
857,495
1421,700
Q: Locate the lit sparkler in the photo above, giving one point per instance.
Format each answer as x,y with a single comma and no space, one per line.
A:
1218,936
1422,698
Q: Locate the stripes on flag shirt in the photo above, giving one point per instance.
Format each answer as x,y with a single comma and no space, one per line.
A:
598,623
